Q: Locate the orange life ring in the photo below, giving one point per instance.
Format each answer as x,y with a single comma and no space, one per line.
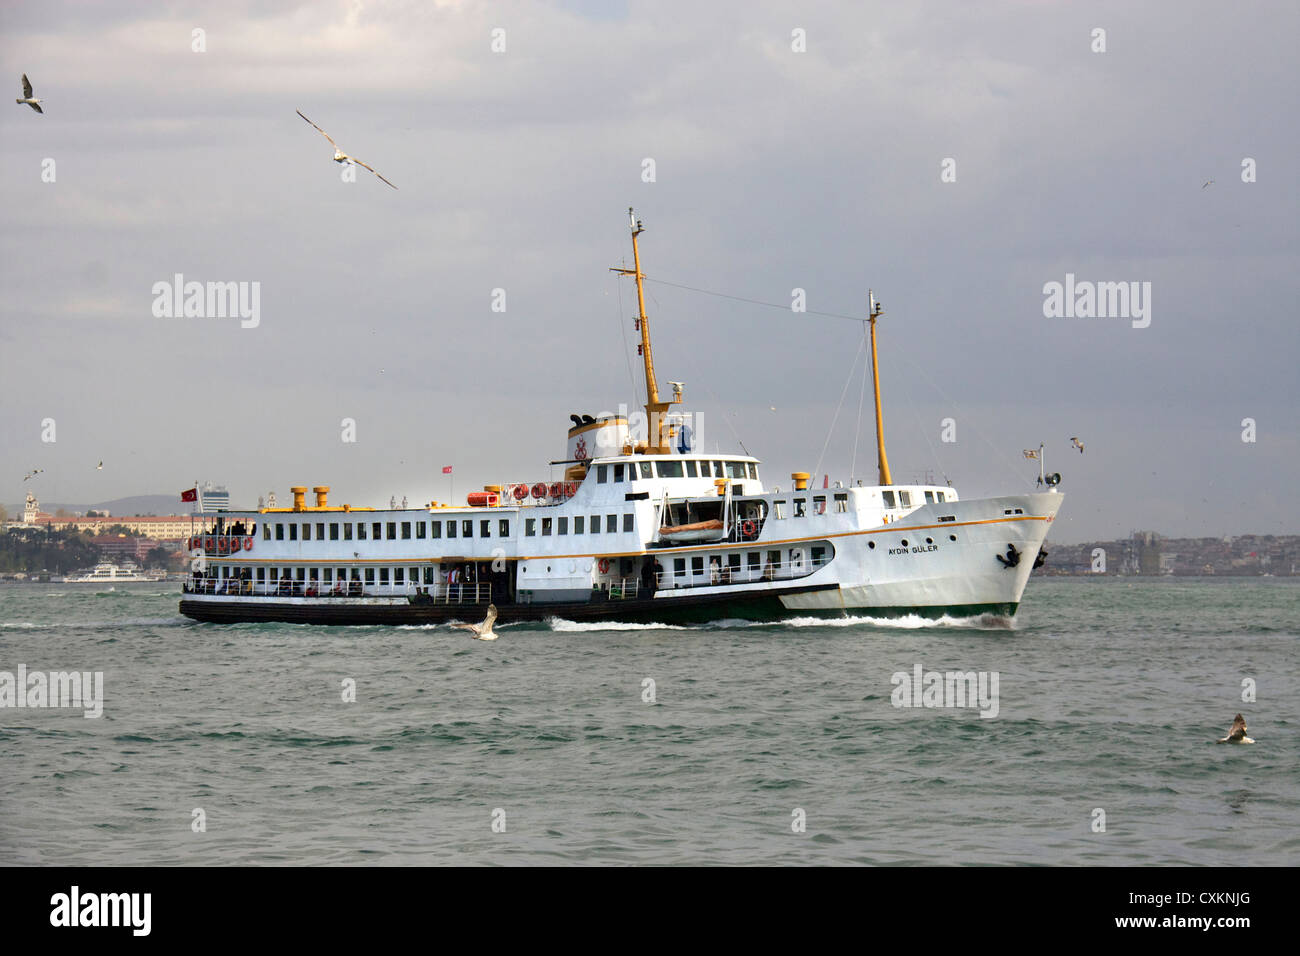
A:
557,489
189,544
539,490
520,492
208,543
248,544
748,528
235,544
570,489
604,565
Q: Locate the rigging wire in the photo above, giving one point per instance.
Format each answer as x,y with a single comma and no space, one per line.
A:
844,391
622,325
999,454
862,398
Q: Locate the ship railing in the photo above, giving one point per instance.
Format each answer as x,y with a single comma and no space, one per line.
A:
721,574
624,589
471,592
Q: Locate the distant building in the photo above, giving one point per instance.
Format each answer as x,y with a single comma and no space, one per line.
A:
157,528
212,498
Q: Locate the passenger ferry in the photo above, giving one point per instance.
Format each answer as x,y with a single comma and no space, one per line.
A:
639,530
106,572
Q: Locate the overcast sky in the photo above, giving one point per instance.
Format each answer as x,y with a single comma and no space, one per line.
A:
774,169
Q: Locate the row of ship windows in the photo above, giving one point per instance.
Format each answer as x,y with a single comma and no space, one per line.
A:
580,525
384,530
905,498
676,468
400,575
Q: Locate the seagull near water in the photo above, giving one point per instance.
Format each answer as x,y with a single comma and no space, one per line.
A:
482,632
27,96
339,155
1237,735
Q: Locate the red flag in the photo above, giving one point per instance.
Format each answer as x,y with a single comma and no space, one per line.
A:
446,469
191,495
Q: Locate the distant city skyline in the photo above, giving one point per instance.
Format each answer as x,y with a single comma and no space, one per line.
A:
1073,234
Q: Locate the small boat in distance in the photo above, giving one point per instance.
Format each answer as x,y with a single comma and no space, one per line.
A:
106,572
642,528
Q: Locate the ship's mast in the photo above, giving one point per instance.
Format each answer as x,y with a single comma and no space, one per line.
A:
654,408
874,311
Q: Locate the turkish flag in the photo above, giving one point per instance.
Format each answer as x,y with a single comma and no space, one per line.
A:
191,495
446,469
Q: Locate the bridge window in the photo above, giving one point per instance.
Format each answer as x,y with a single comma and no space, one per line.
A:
842,503
320,530
618,472
530,527
347,531
451,529
504,527
546,527
929,496
392,531
735,469
376,531
467,528
406,531
561,525
279,531
670,469
719,470
753,470
420,530
888,496
293,531
485,528
579,522
602,474
306,532
334,530
800,507
595,524
690,469
819,504
778,510
435,529
361,531
628,522
905,499
647,469
611,524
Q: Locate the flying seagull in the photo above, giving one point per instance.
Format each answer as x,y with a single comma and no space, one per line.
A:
339,155
27,96
482,632
1077,444
33,473
1237,735
100,466
1208,182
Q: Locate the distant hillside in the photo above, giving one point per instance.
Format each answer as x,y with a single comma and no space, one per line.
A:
137,505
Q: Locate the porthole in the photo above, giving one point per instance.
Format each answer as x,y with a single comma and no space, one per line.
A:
952,537
929,540
871,544
905,542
